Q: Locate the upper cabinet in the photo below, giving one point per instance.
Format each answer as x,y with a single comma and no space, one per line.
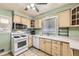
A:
26,21
64,18
75,15
38,23
17,19
21,20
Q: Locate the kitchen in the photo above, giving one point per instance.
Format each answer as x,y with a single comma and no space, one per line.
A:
39,29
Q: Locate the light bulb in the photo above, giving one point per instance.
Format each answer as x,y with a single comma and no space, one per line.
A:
33,8
32,5
28,6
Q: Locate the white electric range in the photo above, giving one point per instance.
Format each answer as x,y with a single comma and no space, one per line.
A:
19,43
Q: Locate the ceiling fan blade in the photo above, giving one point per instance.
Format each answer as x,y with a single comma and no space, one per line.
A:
36,9
41,3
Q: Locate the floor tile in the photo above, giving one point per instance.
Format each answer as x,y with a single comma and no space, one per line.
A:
32,52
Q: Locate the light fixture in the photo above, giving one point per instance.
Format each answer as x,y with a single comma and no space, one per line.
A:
33,8
28,6
32,5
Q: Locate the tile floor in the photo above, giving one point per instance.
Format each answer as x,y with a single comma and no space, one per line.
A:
32,52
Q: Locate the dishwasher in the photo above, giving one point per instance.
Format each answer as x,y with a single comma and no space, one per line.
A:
36,42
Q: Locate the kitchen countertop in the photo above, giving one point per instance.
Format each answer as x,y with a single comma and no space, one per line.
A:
74,42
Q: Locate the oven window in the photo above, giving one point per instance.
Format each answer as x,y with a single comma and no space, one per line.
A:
16,37
23,35
21,44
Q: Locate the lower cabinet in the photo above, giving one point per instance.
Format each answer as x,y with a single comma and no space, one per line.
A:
66,50
56,46
42,44
45,45
30,41
48,46
75,52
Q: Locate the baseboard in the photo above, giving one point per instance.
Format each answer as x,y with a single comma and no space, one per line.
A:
4,53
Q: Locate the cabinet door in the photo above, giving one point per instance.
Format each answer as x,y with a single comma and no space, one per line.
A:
24,21
42,44
48,46
40,23
75,52
65,49
56,48
28,22
30,41
17,19
71,52
64,19
36,23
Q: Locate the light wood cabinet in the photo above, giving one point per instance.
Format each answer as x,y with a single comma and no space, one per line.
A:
38,23
22,20
66,51
56,45
75,52
64,18
26,21
75,16
17,19
55,48
42,44
30,41
48,46
45,45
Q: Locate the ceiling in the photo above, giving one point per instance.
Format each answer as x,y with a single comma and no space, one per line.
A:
21,6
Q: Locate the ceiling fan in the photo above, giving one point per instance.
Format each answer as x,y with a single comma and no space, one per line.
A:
33,6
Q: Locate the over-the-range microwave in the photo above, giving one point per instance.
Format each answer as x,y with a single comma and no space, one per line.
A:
18,26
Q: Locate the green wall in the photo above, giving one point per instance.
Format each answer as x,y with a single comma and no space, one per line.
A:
5,41
74,32
5,36
5,12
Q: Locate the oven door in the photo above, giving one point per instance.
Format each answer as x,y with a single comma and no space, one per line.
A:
21,44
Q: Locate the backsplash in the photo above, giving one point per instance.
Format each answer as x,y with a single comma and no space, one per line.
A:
74,32
39,32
